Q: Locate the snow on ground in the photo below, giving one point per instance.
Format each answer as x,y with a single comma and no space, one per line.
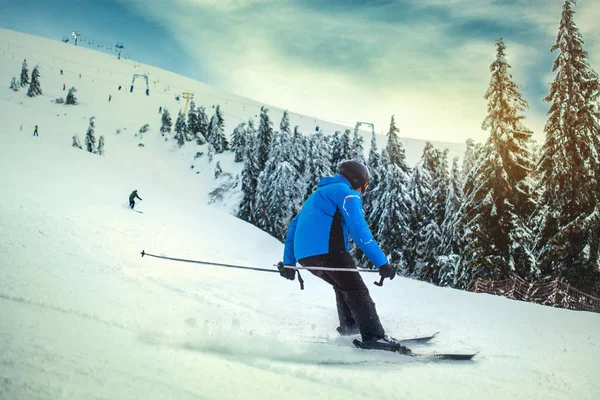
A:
84,316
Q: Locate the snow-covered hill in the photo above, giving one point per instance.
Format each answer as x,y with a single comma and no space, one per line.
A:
84,316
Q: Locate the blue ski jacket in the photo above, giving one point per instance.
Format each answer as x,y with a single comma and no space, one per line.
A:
327,219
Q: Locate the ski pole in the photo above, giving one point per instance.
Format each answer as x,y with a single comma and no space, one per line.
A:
143,253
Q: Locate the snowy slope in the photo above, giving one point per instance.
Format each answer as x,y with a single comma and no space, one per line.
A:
101,75
84,316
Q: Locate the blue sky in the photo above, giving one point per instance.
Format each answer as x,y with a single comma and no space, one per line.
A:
426,61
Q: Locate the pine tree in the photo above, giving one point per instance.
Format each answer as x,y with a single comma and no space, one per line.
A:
265,138
393,222
250,175
90,139
357,150
34,87
470,158
299,155
217,135
451,246
238,142
100,150
71,99
192,123
180,129
497,197
76,142
14,85
419,213
166,123
569,167
317,162
198,125
395,149
24,74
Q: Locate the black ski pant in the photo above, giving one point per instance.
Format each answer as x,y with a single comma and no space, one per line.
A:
131,203
354,304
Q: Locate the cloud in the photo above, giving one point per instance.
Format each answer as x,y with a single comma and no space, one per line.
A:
425,61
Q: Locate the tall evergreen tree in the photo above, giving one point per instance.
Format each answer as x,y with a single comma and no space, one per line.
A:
470,157
299,154
393,222
357,150
180,129
317,164
217,135
202,128
497,197
34,87
570,165
250,175
166,123
265,138
90,138
71,99
395,149
24,74
419,214
238,141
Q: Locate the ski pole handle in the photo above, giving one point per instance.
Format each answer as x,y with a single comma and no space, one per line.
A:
380,283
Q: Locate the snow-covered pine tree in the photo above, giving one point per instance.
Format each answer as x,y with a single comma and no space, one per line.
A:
436,164
357,149
217,135
497,190
100,150
24,74
166,123
192,123
341,149
374,166
238,141
273,205
419,214
180,129
76,142
201,125
451,246
470,158
14,85
90,139
71,99
395,149
34,87
318,163
218,169
299,154
265,137
250,175
393,222
570,165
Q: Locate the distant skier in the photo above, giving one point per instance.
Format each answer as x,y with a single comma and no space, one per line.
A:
120,87
318,237
132,198
35,131
159,109
64,86
109,97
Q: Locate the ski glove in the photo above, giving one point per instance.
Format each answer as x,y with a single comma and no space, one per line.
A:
387,271
287,273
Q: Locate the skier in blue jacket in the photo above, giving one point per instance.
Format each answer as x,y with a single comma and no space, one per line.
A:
318,237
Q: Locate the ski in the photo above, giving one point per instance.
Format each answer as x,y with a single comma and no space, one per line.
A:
420,339
428,356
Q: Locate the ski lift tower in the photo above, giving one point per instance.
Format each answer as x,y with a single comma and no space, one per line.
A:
145,77
358,124
76,35
119,46
187,96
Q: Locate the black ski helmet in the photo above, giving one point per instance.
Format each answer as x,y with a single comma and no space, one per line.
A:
356,173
